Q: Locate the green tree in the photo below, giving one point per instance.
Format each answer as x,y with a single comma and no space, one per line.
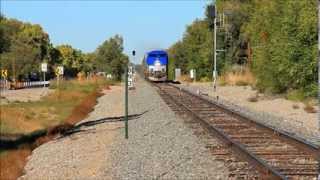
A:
194,51
72,59
285,45
110,57
25,48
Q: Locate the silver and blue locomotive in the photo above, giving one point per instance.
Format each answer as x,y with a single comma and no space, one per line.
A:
156,65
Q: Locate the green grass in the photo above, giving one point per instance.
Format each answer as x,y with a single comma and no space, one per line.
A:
5,128
3,153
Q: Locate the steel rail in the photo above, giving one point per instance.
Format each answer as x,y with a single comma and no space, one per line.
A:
271,173
306,144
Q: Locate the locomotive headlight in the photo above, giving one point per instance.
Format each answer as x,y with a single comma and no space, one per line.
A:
157,63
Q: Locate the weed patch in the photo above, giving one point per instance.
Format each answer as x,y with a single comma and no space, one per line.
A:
241,77
295,95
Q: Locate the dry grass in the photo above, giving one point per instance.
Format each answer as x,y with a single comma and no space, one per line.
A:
237,77
185,79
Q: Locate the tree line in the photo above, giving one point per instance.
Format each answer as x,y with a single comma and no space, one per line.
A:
276,40
24,46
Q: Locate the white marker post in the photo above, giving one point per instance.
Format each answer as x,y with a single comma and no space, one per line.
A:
177,74
59,71
4,75
193,74
44,69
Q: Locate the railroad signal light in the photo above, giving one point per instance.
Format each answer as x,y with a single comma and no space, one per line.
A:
211,11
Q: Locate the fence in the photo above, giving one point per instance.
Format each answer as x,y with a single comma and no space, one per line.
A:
21,85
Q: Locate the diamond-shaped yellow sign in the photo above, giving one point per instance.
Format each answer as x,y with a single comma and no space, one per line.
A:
4,73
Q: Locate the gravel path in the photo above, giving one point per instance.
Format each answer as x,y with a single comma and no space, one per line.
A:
23,95
276,112
160,146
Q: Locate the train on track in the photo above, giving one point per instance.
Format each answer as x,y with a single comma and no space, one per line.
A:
156,65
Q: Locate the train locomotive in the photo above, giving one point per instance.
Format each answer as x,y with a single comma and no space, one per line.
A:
156,65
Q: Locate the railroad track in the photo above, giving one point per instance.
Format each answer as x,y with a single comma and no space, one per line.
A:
261,152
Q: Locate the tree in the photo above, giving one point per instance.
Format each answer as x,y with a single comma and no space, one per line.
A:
285,56
110,57
25,47
195,50
74,60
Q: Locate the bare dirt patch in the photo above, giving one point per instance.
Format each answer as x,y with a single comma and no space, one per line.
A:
12,162
24,95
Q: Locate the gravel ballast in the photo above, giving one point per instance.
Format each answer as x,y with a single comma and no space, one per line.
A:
284,121
160,146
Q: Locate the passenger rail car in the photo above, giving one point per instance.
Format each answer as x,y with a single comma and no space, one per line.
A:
156,65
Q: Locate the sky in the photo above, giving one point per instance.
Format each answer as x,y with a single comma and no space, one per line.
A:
144,25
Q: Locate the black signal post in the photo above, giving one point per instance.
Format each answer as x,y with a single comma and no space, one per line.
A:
126,103
126,98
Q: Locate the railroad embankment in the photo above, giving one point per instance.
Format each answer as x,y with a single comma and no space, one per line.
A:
275,111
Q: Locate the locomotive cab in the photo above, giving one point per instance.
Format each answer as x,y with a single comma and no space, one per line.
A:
157,65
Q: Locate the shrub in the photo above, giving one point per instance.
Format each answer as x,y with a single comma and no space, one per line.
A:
242,83
311,90
222,81
295,95
205,79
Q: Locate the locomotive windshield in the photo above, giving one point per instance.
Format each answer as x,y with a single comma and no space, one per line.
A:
160,56
156,65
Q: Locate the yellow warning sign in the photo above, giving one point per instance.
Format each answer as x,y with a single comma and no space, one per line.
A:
4,73
59,70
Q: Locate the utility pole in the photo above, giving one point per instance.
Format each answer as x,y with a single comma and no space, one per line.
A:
213,23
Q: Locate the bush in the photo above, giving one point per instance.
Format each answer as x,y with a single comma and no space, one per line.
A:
287,56
311,90
242,83
295,95
205,79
